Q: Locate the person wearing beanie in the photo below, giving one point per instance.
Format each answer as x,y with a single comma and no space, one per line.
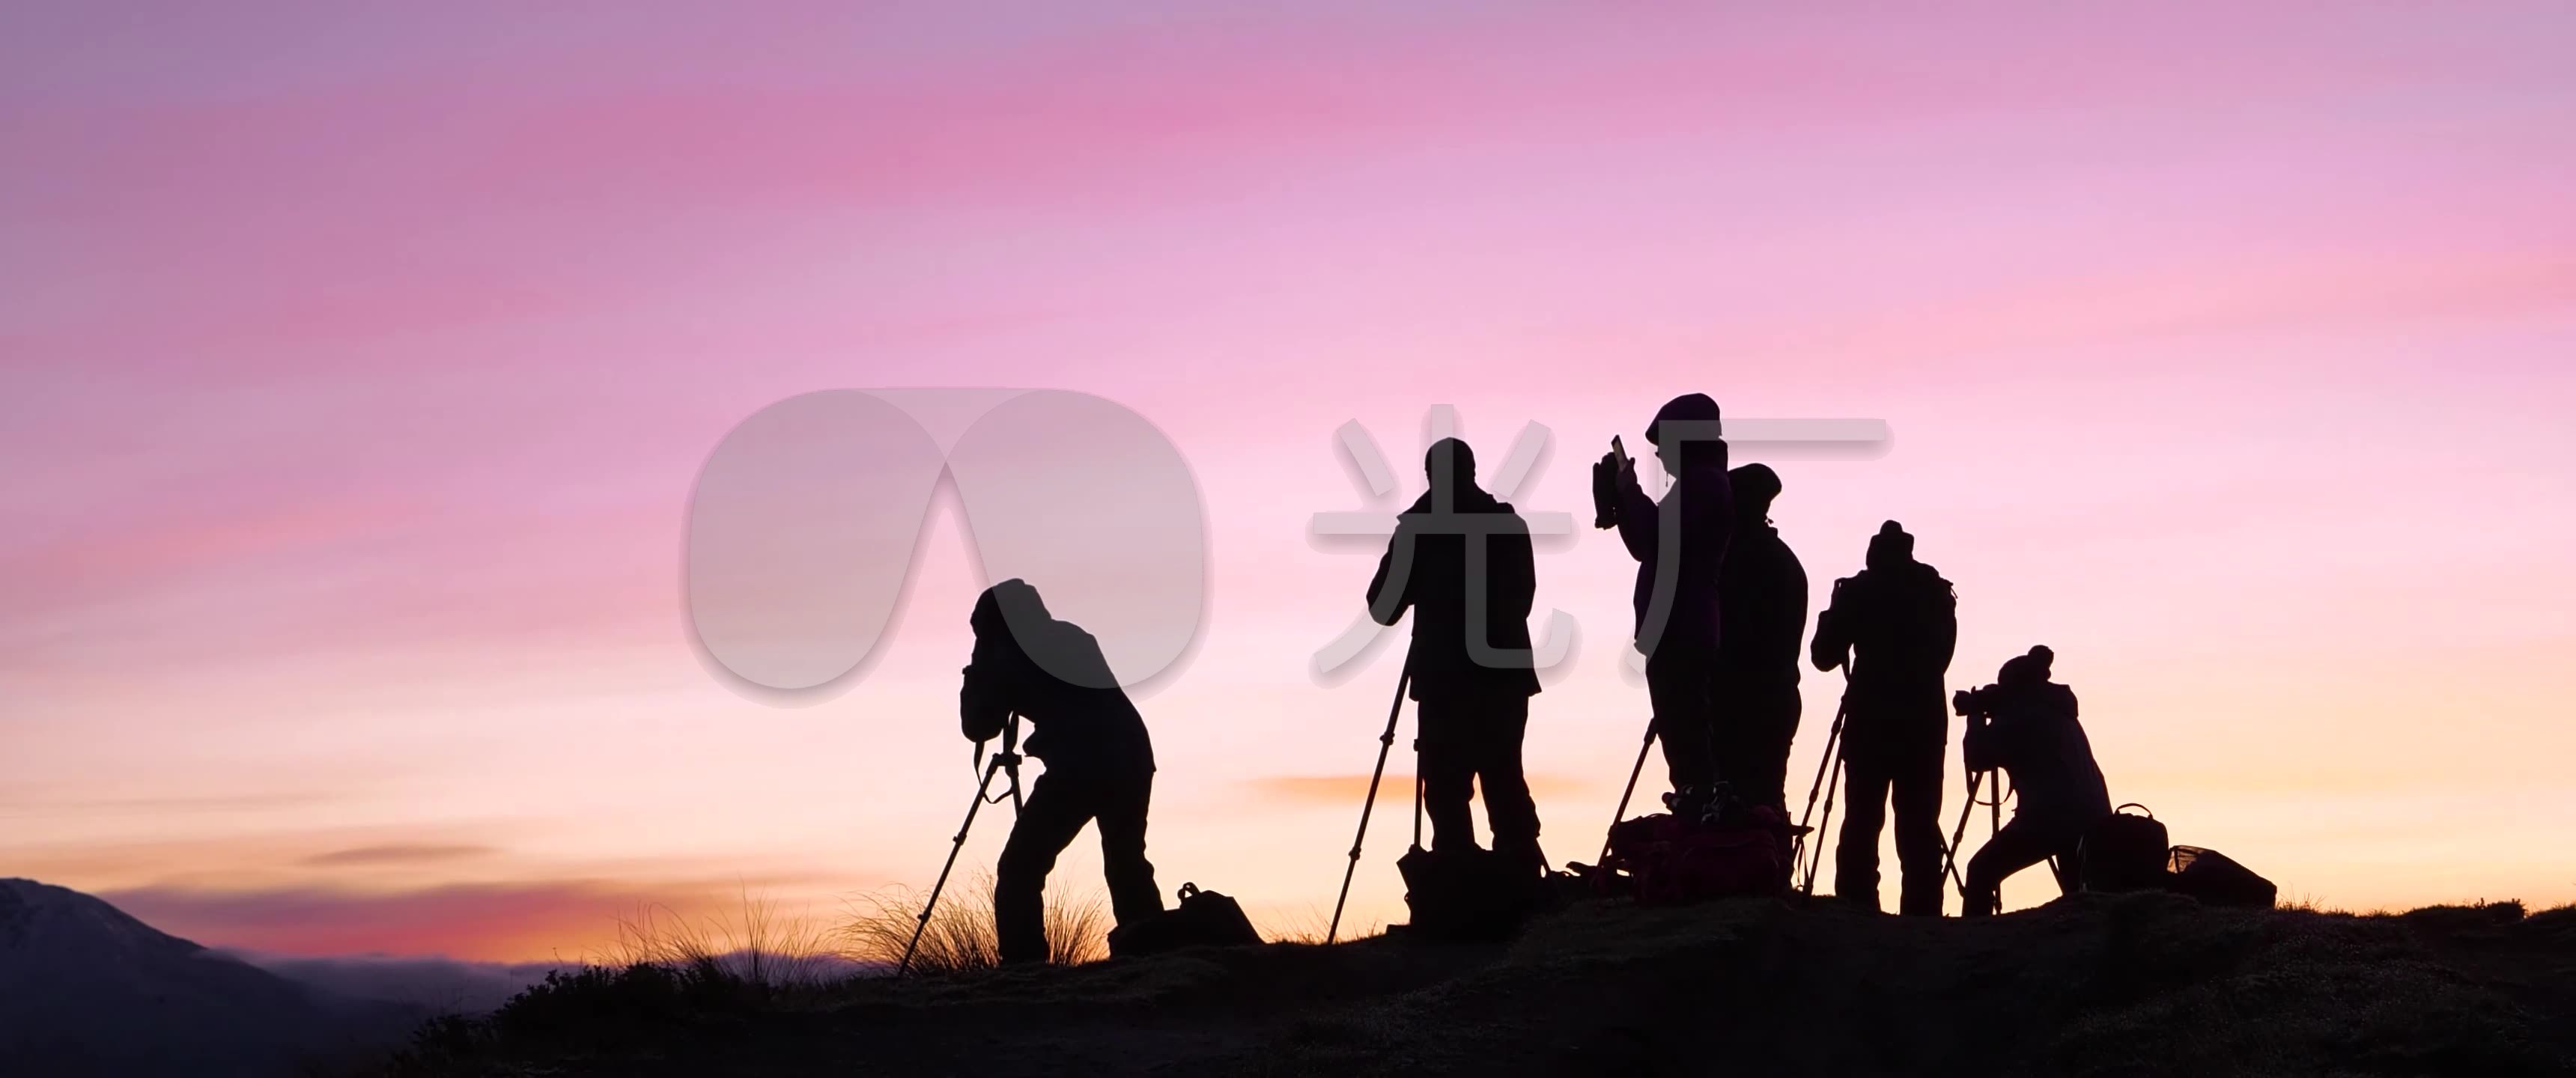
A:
1893,627
1762,606
1099,761
2026,725
1679,543
1470,663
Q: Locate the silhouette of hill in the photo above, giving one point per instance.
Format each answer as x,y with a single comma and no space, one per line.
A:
2127,985
87,990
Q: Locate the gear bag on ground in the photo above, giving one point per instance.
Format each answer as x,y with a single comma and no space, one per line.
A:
2123,852
2217,880
1465,896
1203,919
1672,860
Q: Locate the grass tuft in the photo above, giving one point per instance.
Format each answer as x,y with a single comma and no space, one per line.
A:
959,936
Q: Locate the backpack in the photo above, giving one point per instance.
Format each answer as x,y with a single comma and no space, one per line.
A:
1673,860
2122,852
1203,919
2217,880
1473,895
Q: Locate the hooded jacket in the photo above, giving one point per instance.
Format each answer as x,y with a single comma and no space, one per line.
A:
1079,720
1896,622
2034,737
1761,590
1436,584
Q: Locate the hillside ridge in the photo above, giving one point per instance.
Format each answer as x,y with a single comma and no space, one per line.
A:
2125,985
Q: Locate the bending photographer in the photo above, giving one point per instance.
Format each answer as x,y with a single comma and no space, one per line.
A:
1100,764
2025,724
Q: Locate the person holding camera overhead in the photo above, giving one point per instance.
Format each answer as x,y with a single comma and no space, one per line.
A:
1679,543
1895,625
2025,724
1100,763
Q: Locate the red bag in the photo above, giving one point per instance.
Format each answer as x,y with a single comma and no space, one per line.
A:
1674,861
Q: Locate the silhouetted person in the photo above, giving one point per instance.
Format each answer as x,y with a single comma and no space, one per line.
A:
1896,624
1100,764
1681,652
1762,604
1461,561
2028,729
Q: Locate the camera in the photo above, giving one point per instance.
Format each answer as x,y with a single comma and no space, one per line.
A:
1977,703
1605,485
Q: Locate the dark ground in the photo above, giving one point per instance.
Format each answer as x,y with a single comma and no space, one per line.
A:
2132,985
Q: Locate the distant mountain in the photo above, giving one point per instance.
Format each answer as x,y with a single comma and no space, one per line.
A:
87,990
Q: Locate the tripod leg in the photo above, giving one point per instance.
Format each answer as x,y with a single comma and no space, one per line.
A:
954,846
1417,785
1830,765
1833,746
1816,857
1628,791
1959,834
1995,819
1011,754
1385,742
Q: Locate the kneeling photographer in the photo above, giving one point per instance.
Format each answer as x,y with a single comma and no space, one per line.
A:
2025,724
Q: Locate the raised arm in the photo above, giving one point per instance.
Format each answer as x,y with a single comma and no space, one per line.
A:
1637,518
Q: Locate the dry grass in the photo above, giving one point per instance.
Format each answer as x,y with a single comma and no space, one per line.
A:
1313,925
959,935
757,947
664,972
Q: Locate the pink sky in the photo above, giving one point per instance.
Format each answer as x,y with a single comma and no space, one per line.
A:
359,365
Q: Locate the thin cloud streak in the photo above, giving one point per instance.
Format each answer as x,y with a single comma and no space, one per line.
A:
398,854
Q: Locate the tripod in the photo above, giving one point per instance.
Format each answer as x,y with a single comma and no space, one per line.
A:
1385,742
1831,765
1007,760
1994,783
1627,791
